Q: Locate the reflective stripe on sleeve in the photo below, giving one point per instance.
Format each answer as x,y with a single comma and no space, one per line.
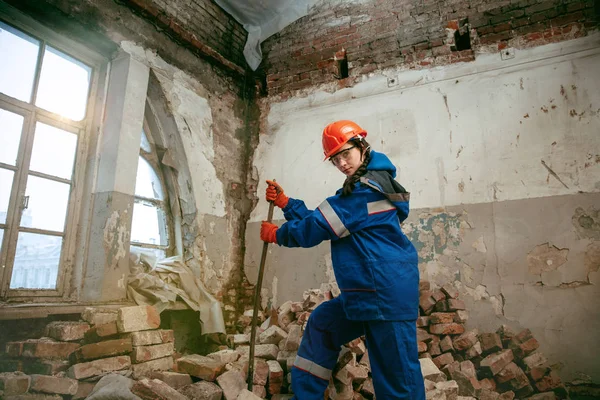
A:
380,206
312,368
336,224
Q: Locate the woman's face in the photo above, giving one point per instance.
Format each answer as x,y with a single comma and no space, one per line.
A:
348,159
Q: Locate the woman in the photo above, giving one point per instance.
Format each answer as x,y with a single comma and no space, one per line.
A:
375,265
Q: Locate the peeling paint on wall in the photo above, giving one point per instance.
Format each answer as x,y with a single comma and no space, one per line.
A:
433,233
116,235
545,258
592,257
587,222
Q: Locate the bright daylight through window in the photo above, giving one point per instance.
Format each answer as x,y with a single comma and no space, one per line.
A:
150,228
44,95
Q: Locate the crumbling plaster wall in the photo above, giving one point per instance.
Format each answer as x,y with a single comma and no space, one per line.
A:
502,161
205,114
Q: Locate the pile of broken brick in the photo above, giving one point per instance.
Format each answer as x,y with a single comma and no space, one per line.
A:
123,354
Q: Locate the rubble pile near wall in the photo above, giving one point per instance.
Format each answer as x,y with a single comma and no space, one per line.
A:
123,354
456,363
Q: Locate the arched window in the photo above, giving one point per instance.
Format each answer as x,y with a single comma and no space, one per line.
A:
151,229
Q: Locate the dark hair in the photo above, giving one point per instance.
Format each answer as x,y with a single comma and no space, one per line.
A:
350,181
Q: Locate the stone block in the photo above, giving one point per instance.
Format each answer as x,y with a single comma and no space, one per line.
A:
225,356
495,362
147,353
273,335
53,385
423,322
84,389
431,371
108,348
467,385
446,329
99,367
450,291
14,383
450,389
468,369
462,316
368,390
261,372
426,302
446,344
260,391
44,367
241,338
466,340
232,382
201,367
148,367
33,396
137,318
449,305
67,331
48,348
173,379
155,389
473,351
99,316
533,360
202,390
441,318
490,343
294,336
435,394
442,360
101,332
266,351
245,394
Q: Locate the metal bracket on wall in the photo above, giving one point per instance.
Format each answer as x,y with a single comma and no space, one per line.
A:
507,53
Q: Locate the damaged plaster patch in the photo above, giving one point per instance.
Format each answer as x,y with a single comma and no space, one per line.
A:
116,235
545,258
592,257
479,245
434,232
587,222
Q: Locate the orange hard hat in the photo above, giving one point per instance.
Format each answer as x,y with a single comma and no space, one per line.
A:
338,133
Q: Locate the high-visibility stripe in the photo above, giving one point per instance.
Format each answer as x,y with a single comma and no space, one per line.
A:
312,368
336,224
376,207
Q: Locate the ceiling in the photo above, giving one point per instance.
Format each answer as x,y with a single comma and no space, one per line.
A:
263,18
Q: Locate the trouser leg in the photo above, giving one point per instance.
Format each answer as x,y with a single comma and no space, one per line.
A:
394,359
326,331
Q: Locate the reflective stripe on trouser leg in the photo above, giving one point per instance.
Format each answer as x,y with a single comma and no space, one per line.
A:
394,358
327,330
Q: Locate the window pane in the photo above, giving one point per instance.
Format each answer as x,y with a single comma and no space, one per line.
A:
149,224
53,151
145,144
64,84
18,53
36,261
11,125
48,202
6,179
147,183
158,253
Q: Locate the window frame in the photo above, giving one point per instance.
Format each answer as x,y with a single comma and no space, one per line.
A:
153,160
82,129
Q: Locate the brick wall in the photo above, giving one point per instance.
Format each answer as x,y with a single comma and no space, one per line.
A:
211,26
386,33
